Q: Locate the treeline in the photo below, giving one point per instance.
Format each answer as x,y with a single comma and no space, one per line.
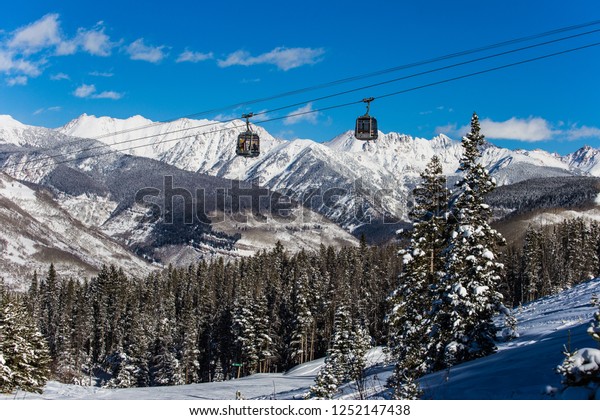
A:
212,321
551,259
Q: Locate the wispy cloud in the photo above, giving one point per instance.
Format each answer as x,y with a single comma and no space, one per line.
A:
108,94
532,129
9,63
89,91
95,41
49,109
284,58
138,50
101,74
193,56
60,76
583,132
46,33
302,114
27,50
36,36
17,80
246,81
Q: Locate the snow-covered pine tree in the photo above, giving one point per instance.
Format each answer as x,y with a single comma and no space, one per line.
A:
463,328
50,313
244,333
302,318
24,357
164,366
219,376
580,369
422,267
345,359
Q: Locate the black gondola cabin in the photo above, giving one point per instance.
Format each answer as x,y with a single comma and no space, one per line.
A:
366,126
248,144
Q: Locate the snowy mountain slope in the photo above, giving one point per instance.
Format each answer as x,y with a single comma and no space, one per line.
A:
101,192
362,186
393,162
15,133
521,369
194,145
524,368
586,159
36,231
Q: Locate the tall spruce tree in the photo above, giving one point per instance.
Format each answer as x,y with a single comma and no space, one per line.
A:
463,328
24,358
423,265
345,359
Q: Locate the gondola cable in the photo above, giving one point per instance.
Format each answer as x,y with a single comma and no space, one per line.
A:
460,77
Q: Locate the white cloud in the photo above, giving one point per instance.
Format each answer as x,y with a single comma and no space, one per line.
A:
38,35
60,76
532,129
10,64
101,74
84,91
17,80
576,133
302,114
284,58
255,80
193,57
448,129
46,33
43,110
109,94
95,42
89,91
138,50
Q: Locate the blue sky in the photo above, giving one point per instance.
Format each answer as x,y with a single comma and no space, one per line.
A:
165,60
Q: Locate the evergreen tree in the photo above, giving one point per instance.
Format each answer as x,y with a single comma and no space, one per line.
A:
345,360
24,358
463,327
581,368
302,317
50,312
423,265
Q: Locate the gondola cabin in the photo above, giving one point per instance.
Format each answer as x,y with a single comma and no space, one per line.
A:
366,126
248,144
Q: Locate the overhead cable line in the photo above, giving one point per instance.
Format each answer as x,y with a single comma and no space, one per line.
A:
345,92
423,86
364,76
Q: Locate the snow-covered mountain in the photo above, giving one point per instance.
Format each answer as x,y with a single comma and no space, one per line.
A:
586,159
99,190
364,187
13,132
37,230
365,180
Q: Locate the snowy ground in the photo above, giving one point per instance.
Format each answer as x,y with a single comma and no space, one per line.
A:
521,369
